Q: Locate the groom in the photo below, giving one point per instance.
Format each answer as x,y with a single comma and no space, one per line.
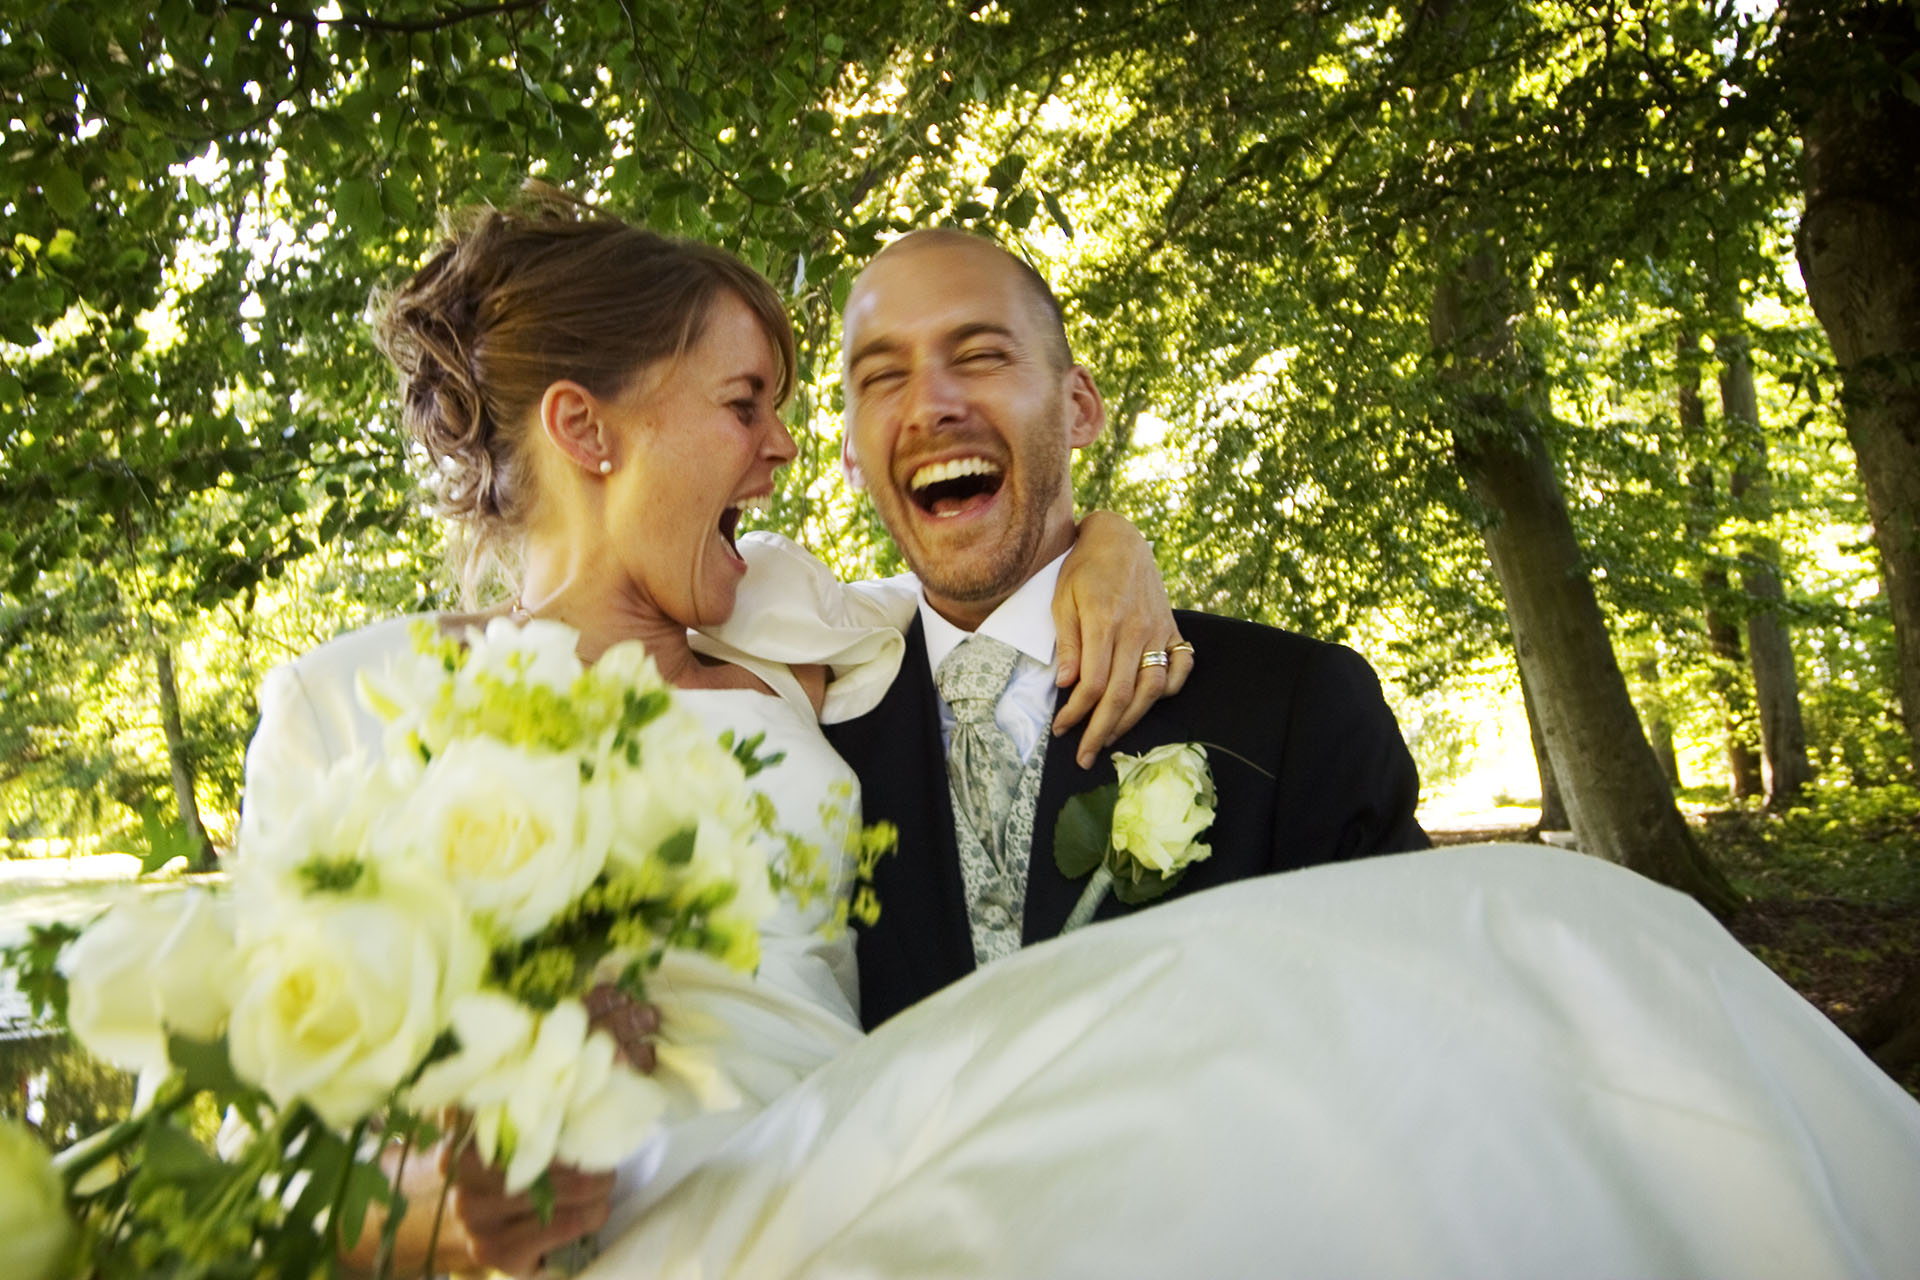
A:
963,409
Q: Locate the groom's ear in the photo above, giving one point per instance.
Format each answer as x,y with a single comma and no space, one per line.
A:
1087,410
850,464
570,417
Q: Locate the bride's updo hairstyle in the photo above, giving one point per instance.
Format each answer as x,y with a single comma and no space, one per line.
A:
517,299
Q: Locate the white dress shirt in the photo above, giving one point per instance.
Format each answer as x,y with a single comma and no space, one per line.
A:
1025,621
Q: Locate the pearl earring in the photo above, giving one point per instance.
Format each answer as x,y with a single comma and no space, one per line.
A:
606,466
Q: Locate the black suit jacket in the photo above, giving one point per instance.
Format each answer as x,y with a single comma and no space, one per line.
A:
1307,713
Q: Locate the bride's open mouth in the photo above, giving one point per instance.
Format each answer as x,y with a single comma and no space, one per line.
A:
730,519
950,488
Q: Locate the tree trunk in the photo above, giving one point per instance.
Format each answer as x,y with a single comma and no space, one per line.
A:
1859,250
177,760
1613,787
1889,1032
1553,806
1776,688
1659,725
1723,634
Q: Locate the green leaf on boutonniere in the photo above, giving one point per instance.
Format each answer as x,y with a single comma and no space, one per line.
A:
1141,885
1081,833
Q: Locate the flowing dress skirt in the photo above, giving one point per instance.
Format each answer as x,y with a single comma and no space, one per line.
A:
1500,1061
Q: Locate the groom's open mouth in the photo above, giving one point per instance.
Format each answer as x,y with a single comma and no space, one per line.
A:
730,518
947,489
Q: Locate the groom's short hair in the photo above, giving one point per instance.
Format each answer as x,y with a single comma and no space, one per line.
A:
1053,319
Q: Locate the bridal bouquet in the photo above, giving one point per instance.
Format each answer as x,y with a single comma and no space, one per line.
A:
410,939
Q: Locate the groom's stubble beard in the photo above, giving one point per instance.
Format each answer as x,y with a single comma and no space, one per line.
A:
983,576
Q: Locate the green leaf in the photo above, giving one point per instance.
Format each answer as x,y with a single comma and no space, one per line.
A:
1020,210
172,1155
65,192
677,849
359,205
1055,212
323,1156
541,1194
1083,830
206,1066
1006,171
766,186
1146,888
365,1185
162,840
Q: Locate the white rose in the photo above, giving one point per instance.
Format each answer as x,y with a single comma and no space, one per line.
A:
539,653
628,665
156,963
685,778
334,817
516,833
342,993
412,691
540,1088
1166,800
35,1231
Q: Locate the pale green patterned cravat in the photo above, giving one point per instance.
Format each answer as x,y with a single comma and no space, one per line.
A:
982,764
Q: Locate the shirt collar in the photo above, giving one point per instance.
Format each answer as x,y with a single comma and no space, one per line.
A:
1023,620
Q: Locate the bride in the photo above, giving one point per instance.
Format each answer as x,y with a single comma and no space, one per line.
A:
1500,1061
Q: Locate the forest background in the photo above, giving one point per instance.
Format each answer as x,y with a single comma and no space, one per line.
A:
1570,350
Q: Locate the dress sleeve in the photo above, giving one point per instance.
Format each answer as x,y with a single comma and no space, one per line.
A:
791,610
288,750
310,719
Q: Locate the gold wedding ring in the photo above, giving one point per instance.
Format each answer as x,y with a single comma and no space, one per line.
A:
1153,658
1180,647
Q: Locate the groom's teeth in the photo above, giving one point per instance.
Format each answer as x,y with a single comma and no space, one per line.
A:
952,469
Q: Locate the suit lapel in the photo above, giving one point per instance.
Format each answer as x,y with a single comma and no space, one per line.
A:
921,941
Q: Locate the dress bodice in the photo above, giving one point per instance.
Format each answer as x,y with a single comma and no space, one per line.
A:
817,799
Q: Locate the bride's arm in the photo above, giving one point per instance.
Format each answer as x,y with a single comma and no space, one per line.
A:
1110,604
1110,609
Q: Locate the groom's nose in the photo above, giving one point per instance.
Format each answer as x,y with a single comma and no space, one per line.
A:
934,398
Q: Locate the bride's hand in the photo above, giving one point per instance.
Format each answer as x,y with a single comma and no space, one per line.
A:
511,1233
632,1023
1110,609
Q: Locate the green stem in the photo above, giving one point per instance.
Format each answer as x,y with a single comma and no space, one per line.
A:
1214,746
80,1159
1090,898
332,1242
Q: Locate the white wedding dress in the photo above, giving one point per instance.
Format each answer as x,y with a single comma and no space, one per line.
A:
1502,1061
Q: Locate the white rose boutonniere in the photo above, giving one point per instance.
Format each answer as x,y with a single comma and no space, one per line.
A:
1139,834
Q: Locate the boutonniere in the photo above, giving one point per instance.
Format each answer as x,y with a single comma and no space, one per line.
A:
1138,834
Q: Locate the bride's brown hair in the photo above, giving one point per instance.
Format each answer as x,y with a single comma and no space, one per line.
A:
517,299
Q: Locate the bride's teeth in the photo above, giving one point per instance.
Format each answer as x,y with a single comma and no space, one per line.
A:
952,469
762,503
